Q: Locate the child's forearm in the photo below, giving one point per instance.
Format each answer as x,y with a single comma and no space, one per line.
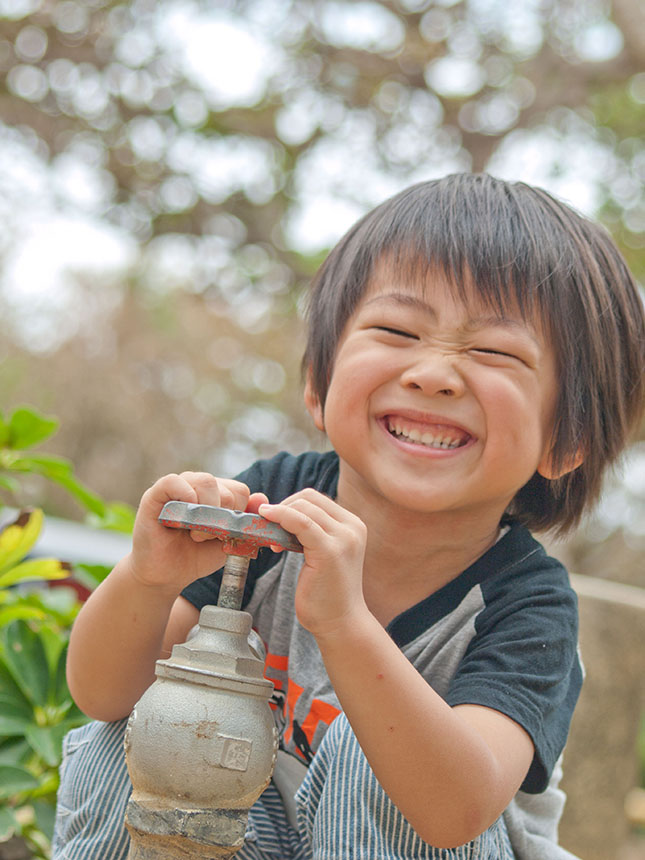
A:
115,642
451,772
120,631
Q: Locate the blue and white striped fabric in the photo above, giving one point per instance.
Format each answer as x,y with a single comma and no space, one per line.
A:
94,790
343,813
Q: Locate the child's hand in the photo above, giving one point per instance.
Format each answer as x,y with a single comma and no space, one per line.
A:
173,558
330,587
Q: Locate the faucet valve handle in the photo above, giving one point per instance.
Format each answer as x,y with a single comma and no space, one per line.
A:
241,533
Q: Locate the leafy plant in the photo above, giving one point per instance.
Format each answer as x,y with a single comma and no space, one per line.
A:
26,428
36,708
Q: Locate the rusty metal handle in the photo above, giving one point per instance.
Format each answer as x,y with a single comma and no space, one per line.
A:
242,534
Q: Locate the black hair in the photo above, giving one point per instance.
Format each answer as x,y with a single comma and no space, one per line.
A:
514,245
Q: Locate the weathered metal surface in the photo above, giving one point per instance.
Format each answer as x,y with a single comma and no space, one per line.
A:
150,846
201,743
218,828
231,590
242,533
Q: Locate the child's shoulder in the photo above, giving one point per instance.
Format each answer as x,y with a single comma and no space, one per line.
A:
286,473
522,582
518,560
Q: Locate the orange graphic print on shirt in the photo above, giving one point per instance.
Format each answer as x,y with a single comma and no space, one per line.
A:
298,716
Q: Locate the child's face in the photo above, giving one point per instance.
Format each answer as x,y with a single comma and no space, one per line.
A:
436,405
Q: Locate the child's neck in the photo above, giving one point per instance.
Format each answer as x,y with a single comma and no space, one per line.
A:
410,555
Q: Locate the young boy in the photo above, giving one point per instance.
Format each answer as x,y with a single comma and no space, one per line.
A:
475,358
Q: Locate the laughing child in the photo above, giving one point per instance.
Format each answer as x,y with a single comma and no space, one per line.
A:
475,359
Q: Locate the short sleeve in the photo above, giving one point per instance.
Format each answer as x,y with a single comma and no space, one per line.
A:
523,659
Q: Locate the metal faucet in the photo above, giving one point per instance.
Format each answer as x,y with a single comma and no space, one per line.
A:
201,742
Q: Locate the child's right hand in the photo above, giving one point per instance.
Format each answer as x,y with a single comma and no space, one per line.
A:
170,559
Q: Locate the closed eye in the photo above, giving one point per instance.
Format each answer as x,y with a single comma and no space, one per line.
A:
493,352
396,331
497,352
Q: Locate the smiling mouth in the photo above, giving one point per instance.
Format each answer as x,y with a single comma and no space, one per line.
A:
437,437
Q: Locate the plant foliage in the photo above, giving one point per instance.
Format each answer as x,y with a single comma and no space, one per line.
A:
36,708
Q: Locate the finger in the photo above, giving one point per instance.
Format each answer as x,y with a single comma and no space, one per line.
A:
207,492
302,519
322,503
169,488
219,492
233,494
254,502
206,487
320,500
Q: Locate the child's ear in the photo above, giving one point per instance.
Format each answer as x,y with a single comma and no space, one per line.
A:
312,402
546,469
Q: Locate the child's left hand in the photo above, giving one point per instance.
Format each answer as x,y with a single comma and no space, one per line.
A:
330,587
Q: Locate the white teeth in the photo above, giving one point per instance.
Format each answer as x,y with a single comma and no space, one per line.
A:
427,439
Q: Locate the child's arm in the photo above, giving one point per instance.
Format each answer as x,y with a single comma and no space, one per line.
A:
137,614
450,771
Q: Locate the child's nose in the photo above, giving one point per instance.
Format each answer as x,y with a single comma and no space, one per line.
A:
434,374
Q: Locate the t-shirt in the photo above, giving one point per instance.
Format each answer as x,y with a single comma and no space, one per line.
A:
502,634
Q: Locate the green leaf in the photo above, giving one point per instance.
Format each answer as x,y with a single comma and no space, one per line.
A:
26,660
45,817
9,484
12,613
58,605
47,465
28,427
18,538
54,643
15,751
13,702
13,727
8,823
47,742
14,779
61,472
59,691
74,717
117,517
4,431
80,492
14,708
91,575
40,568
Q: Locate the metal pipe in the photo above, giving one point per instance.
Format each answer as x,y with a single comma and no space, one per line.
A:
231,590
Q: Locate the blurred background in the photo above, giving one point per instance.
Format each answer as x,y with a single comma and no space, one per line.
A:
173,172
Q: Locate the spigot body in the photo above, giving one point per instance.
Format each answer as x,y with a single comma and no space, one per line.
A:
201,744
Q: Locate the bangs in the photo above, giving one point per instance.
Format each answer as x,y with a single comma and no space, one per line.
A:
490,246
501,294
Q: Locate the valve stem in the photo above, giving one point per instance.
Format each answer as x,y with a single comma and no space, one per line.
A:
231,591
